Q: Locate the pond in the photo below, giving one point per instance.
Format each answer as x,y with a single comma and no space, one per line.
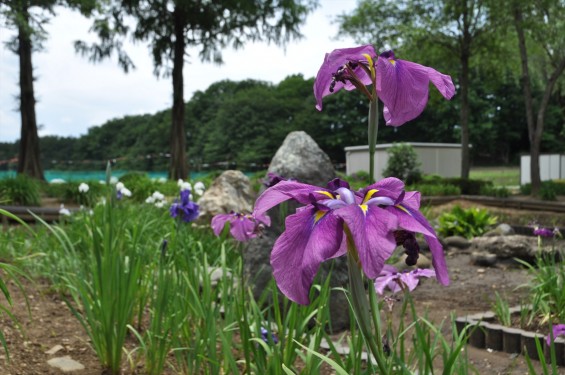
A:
94,175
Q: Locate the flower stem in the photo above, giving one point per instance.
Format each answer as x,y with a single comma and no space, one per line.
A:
373,129
360,304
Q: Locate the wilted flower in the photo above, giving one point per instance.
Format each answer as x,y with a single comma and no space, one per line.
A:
319,231
403,86
242,227
398,281
558,330
83,188
186,209
64,211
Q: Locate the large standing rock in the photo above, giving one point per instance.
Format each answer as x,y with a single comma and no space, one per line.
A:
231,191
299,158
302,159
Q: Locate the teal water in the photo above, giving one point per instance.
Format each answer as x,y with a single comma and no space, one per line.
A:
93,175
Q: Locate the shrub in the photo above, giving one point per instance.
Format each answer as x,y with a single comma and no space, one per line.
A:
20,190
469,223
492,191
403,163
439,189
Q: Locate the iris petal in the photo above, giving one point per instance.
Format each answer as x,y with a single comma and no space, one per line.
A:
299,251
284,191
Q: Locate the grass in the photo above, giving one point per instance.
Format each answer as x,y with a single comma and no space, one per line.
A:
500,176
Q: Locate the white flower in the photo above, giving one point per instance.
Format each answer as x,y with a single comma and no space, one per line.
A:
120,186
180,182
57,181
185,186
64,211
126,192
199,188
162,180
83,188
113,180
160,204
158,196
150,200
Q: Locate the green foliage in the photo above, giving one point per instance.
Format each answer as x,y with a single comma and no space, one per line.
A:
492,191
549,189
68,192
469,223
438,189
403,163
502,310
20,190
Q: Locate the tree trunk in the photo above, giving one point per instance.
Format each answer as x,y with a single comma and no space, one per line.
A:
466,41
464,116
28,156
178,166
528,101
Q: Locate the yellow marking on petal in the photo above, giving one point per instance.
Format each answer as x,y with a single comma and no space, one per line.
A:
318,216
369,195
364,208
393,62
327,193
371,65
403,209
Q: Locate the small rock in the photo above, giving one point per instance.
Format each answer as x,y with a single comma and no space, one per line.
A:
483,258
54,349
481,270
65,364
457,242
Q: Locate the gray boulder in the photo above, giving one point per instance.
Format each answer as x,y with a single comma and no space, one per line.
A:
500,230
231,191
300,158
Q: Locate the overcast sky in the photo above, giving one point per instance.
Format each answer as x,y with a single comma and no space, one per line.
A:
73,95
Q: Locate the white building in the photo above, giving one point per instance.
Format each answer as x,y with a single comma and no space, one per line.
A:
443,159
551,167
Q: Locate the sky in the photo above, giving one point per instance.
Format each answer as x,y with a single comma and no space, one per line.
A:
73,94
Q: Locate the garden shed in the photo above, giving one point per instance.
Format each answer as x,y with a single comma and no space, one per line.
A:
551,167
443,159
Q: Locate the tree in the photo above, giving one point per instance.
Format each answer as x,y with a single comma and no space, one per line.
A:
173,26
541,23
457,26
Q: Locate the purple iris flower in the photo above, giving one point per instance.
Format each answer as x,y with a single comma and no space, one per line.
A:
403,86
398,281
558,330
242,227
185,208
543,232
265,336
316,232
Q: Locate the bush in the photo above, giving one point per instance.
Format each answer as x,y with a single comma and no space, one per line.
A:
492,191
20,190
549,189
403,163
469,223
435,189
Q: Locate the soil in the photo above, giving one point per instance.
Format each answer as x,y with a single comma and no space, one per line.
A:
49,322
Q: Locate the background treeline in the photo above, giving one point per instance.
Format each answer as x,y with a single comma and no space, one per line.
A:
242,124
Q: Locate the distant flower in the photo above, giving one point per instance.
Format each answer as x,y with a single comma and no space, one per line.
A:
122,191
402,86
162,180
157,199
265,334
398,281
57,181
64,211
273,179
113,180
318,231
558,330
543,232
83,188
242,227
199,188
184,208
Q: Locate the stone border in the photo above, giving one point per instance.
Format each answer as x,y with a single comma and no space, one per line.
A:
485,334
